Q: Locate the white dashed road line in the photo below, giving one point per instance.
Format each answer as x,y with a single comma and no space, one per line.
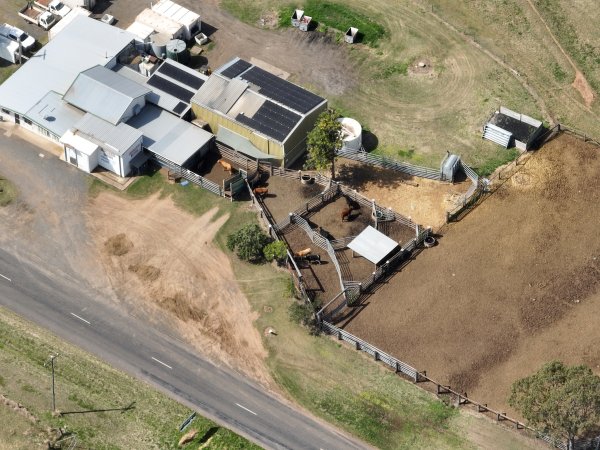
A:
80,318
243,407
160,362
6,278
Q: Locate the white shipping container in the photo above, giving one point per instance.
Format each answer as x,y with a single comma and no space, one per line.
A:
183,16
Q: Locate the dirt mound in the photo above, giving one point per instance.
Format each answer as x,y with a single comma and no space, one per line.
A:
182,307
118,245
145,272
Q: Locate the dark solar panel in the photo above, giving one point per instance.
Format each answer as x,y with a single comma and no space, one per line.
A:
170,88
272,120
179,108
181,75
282,91
236,68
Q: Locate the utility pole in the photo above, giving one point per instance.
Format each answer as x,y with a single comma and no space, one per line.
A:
52,358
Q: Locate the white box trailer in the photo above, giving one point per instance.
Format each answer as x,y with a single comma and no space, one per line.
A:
9,50
188,19
161,24
77,11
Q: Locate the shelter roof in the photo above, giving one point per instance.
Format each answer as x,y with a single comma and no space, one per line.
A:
373,245
241,144
82,44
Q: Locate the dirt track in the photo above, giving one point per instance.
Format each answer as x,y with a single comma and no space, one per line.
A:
513,285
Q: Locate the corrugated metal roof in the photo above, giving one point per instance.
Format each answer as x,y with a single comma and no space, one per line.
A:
169,136
104,93
54,114
8,48
84,43
141,30
219,93
120,137
373,245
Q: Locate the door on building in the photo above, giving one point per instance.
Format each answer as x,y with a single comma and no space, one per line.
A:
17,119
72,156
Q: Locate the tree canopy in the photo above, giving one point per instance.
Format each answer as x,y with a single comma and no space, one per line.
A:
248,242
323,141
564,401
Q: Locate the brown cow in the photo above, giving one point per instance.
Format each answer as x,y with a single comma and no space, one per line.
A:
261,192
226,166
303,253
345,214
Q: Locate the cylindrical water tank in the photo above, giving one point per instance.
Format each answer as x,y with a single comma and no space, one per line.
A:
177,51
351,133
159,44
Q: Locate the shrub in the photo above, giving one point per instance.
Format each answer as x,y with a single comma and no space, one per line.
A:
275,250
248,243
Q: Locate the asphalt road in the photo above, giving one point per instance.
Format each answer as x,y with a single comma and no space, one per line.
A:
130,345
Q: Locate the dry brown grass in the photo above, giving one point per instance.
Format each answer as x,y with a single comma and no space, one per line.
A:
182,307
118,245
145,272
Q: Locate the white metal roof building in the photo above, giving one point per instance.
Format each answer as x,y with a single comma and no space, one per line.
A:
107,94
161,24
188,19
84,43
9,49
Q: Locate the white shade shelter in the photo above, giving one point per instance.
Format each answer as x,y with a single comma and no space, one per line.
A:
373,245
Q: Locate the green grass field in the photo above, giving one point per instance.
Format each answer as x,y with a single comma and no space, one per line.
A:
85,383
419,116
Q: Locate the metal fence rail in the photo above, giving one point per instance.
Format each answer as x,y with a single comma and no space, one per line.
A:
392,164
359,344
190,176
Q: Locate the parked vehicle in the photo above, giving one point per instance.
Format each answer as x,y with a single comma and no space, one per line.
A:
33,14
56,7
16,34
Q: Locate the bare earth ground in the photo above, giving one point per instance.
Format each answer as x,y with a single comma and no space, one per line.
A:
511,286
172,269
424,201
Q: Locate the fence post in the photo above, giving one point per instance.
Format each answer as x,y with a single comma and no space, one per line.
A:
376,356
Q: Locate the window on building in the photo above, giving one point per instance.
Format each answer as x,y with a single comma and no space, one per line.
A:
5,111
27,121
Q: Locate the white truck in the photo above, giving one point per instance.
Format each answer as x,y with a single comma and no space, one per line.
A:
19,36
35,15
56,7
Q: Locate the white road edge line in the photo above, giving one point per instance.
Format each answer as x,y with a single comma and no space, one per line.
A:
160,362
81,318
243,407
6,278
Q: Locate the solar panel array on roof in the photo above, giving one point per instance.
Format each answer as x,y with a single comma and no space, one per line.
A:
282,91
182,76
179,108
170,88
271,119
236,68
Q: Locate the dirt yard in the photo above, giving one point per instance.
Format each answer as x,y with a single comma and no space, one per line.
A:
424,201
513,285
162,260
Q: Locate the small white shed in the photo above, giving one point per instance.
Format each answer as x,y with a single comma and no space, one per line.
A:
143,35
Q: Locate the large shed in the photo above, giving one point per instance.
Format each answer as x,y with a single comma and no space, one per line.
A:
271,113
